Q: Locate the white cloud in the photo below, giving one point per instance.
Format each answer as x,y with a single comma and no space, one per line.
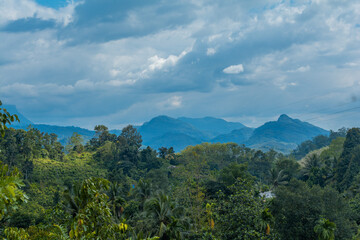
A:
118,83
283,13
301,69
158,63
11,10
234,69
210,51
351,64
173,102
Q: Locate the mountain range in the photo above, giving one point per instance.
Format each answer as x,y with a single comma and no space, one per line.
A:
282,135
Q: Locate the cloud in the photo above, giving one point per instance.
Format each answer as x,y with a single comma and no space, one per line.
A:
122,61
301,69
158,63
16,11
210,51
234,69
171,103
106,20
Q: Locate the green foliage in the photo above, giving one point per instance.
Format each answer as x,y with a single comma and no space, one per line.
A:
16,234
75,143
165,218
77,168
317,143
10,193
230,174
297,207
334,150
6,118
349,163
242,215
325,229
89,208
208,191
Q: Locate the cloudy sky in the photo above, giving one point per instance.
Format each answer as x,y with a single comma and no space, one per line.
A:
116,62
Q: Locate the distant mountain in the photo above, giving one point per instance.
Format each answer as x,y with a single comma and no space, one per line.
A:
282,135
213,126
64,133
178,141
162,125
23,120
179,133
285,131
239,136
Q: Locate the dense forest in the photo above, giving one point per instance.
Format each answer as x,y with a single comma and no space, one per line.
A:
112,187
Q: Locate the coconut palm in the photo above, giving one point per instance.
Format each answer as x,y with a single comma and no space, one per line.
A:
265,220
325,229
278,177
143,191
167,219
116,202
311,162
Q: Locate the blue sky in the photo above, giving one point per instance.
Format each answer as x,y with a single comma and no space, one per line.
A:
54,3
116,62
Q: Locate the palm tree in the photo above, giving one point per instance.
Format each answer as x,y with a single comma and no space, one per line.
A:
59,233
73,199
265,220
89,206
143,191
325,229
167,218
115,200
311,162
278,177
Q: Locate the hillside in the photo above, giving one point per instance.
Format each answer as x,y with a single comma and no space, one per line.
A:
64,133
213,126
239,136
286,131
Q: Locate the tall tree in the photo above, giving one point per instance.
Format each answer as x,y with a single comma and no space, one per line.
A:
349,162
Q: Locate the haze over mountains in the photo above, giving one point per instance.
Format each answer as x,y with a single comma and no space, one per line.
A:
163,131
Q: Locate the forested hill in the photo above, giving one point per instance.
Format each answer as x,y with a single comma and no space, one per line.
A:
282,135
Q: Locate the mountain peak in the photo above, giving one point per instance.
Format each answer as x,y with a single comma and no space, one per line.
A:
284,118
162,118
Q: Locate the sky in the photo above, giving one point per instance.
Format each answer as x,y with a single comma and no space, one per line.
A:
117,62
